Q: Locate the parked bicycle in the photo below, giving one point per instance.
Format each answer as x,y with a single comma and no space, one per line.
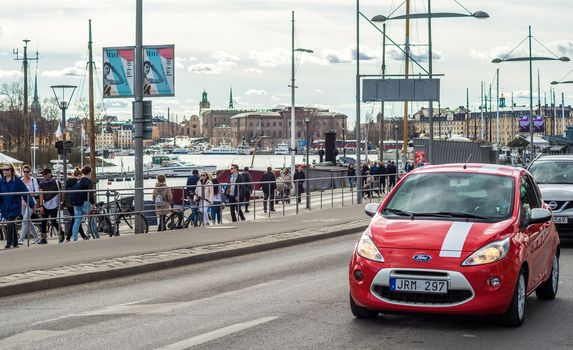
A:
111,215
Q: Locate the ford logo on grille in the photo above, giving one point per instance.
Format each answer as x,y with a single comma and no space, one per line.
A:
422,257
553,205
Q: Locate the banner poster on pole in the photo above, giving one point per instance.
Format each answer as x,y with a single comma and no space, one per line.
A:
158,70
118,71
538,124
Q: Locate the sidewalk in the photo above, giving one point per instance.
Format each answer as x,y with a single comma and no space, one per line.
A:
56,265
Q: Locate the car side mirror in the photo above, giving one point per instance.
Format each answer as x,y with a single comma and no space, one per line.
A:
539,216
371,209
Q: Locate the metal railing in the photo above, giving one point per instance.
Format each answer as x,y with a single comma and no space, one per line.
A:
293,196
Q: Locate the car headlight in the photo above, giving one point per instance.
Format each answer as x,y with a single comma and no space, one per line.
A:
490,253
367,249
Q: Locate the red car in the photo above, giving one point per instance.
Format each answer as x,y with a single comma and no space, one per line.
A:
458,239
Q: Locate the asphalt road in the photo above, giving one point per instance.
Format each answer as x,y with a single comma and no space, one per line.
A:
292,298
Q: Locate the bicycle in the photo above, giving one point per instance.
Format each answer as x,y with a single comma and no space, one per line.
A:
178,220
122,210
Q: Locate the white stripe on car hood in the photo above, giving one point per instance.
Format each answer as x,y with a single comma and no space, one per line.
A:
455,239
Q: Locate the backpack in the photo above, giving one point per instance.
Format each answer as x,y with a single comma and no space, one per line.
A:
159,202
77,198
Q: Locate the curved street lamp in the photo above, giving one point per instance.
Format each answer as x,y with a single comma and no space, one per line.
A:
429,15
67,91
530,59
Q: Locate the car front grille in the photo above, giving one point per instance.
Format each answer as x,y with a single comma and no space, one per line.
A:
452,297
561,205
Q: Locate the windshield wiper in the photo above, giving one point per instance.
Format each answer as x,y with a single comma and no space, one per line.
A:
398,212
453,214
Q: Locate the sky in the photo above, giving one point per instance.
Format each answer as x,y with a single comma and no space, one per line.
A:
246,45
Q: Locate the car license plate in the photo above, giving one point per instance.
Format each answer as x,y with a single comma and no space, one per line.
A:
560,219
418,285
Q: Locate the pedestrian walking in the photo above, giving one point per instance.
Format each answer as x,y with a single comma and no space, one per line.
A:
11,205
382,171
368,185
268,185
69,185
408,166
391,170
28,229
192,183
162,198
350,173
50,201
233,191
83,199
204,194
217,207
299,183
287,180
247,188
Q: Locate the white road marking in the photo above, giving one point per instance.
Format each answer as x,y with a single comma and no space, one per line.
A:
455,239
144,309
29,337
216,334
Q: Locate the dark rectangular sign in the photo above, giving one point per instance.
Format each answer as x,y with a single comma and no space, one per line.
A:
396,90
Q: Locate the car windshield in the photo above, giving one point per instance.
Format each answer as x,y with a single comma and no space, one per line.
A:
453,195
552,171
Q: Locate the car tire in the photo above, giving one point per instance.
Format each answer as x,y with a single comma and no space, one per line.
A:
548,289
515,314
360,312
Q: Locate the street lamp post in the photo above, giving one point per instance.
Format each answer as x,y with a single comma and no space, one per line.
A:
562,102
429,15
307,121
530,59
67,91
292,111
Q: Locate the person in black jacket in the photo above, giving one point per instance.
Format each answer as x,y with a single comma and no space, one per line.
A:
83,200
72,180
233,192
299,183
247,188
269,185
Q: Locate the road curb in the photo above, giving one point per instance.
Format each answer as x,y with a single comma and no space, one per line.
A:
86,277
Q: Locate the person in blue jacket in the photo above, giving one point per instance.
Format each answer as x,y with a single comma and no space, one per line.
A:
11,205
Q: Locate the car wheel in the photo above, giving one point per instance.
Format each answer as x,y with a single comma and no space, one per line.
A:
360,312
548,290
515,314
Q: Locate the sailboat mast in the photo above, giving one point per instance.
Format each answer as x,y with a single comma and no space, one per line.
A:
91,106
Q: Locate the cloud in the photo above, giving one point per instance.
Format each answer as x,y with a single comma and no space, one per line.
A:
271,58
6,74
223,56
420,55
205,68
116,104
254,92
78,70
179,62
348,54
563,48
318,91
252,71
1,31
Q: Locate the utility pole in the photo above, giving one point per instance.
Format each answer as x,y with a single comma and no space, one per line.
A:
405,132
381,126
497,109
91,107
25,60
138,115
467,112
431,103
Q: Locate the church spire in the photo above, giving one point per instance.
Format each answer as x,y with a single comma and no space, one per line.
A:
231,99
35,107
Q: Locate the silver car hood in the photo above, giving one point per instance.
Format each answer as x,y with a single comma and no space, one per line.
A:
556,192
